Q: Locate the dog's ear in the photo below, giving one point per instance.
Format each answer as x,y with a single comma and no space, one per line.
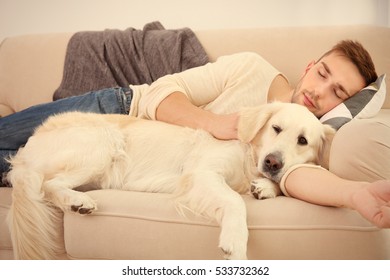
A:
324,151
253,119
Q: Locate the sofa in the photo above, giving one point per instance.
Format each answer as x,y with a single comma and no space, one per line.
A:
138,225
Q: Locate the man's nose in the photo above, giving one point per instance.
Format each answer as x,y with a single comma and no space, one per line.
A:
321,90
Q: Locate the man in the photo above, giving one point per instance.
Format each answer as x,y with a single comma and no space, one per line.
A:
336,76
209,96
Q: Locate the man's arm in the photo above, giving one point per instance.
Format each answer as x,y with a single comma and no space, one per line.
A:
371,200
177,109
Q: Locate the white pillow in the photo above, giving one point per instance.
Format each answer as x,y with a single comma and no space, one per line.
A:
364,104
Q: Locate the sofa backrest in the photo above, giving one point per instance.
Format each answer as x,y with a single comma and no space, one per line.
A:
290,49
31,66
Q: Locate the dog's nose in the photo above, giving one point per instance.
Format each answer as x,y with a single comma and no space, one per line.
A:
272,163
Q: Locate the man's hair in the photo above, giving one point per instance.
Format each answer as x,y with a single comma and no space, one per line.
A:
359,56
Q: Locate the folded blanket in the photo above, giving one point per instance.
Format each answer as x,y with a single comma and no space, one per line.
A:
109,58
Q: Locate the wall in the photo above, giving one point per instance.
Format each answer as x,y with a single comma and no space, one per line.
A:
39,16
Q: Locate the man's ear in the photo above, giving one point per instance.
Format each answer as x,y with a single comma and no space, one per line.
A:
308,67
324,151
253,119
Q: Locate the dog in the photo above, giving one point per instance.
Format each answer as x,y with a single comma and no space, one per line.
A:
206,175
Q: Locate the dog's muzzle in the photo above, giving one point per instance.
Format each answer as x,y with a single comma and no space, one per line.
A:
272,164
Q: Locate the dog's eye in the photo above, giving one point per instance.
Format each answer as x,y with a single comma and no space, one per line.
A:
302,141
277,129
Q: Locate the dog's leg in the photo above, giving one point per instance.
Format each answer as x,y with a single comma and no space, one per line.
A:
207,193
262,188
59,192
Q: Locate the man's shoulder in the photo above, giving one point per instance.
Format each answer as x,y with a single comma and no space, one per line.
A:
245,59
243,55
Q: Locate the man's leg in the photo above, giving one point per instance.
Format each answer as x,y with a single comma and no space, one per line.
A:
17,128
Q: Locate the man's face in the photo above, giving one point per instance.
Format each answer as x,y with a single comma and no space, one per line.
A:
327,83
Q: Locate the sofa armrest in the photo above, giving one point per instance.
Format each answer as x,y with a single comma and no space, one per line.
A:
361,149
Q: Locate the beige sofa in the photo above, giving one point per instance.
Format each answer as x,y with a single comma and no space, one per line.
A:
132,225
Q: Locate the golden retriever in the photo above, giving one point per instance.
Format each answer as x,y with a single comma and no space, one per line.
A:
204,174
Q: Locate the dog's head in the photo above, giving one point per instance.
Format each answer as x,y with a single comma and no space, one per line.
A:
284,135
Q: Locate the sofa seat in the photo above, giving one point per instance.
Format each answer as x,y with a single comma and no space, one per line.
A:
146,226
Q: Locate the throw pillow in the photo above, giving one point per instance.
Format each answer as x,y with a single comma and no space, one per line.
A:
364,104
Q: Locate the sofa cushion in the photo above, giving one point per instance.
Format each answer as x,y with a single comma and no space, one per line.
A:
137,225
364,104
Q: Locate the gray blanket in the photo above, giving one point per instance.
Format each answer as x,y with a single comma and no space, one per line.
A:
101,59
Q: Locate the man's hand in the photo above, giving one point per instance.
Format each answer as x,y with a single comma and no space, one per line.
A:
223,127
373,203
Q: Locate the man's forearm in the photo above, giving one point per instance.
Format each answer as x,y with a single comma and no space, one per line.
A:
177,109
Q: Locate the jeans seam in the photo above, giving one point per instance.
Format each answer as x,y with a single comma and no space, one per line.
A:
128,96
124,96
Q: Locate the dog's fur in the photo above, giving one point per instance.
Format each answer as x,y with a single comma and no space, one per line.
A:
205,175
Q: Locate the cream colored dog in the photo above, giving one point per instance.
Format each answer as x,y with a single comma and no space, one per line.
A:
205,175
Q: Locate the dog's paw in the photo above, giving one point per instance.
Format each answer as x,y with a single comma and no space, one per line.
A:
234,245
81,209
264,188
233,255
83,204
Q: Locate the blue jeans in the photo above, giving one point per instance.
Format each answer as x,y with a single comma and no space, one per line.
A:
15,129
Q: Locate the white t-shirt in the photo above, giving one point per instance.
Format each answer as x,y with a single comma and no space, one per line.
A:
223,87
